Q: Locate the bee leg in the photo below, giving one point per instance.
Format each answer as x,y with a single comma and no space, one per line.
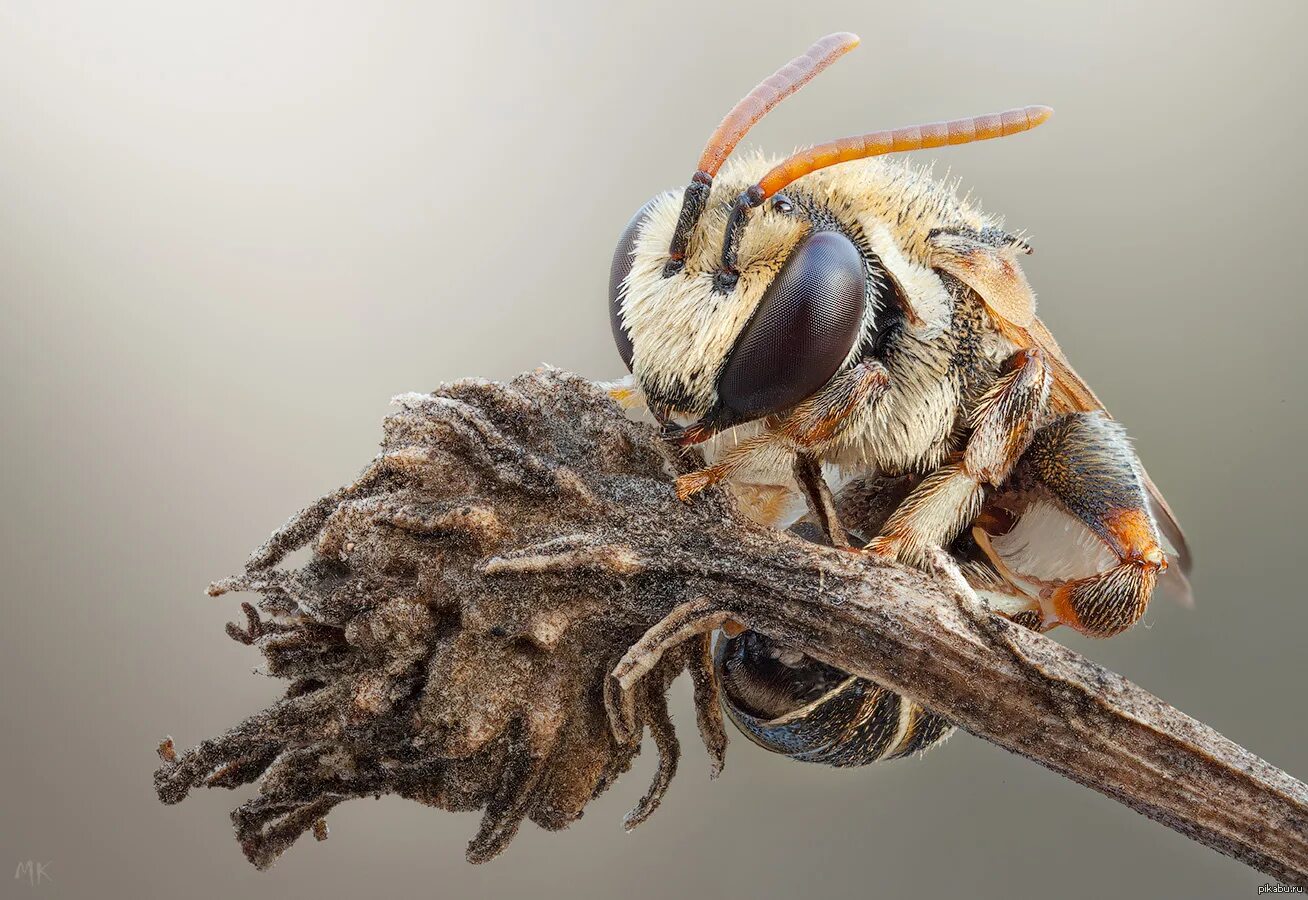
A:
1106,604
821,418
930,516
692,618
1003,424
808,427
763,451
1085,464
827,413
808,473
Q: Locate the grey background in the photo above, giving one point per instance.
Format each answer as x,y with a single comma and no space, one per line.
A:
230,232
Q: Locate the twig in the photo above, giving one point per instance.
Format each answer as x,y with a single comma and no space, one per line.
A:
495,609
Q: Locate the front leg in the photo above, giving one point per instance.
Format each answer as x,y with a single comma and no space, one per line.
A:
947,500
806,430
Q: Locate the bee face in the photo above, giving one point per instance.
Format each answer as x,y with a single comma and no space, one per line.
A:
804,294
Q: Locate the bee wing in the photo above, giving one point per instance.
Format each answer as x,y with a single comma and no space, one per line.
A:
1175,582
1068,392
1167,524
986,261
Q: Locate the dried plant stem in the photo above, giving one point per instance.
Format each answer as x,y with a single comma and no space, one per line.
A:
495,609
1028,694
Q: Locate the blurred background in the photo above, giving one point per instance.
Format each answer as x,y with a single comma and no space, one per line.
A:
230,232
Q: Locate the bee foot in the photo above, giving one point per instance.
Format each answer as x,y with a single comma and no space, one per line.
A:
690,485
883,548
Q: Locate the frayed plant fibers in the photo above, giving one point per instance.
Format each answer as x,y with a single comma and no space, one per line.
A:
423,656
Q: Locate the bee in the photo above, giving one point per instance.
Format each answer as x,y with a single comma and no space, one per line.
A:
835,315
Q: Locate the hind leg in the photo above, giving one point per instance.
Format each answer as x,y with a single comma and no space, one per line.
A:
1108,603
1083,538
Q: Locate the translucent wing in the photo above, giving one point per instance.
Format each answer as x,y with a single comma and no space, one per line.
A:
987,263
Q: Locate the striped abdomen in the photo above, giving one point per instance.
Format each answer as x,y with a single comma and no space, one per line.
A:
791,704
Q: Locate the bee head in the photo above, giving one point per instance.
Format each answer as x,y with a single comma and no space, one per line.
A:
728,352
731,301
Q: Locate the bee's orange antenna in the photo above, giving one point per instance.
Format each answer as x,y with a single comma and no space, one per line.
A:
737,123
918,137
771,91
878,143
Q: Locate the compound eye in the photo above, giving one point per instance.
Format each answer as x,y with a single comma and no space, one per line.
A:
801,332
617,278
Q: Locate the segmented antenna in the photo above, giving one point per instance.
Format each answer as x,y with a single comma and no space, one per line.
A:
737,123
877,143
916,137
771,91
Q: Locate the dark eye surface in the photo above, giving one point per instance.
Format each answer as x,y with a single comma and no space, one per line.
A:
801,332
617,275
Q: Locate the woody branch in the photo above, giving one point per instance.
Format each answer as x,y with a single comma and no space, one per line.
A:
494,610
